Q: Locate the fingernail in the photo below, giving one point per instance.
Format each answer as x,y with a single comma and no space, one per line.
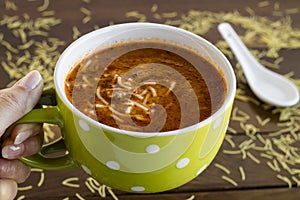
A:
12,151
31,80
22,136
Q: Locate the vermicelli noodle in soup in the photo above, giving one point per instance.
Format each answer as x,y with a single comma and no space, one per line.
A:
146,86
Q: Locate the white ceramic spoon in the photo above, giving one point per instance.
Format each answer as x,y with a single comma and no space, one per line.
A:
267,85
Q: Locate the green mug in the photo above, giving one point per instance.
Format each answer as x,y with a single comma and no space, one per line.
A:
126,160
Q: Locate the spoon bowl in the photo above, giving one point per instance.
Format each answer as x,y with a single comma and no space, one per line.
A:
267,85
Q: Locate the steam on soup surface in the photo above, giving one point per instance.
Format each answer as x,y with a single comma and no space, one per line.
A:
146,86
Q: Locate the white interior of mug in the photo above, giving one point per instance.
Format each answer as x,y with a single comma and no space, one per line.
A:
139,31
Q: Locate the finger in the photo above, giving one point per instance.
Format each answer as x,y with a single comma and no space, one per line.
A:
29,147
8,189
24,131
18,100
14,169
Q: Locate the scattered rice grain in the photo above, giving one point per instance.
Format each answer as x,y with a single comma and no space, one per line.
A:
250,11
231,130
229,180
25,188
9,5
169,14
44,6
86,19
223,168
228,138
88,185
273,167
263,4
112,193
252,157
297,181
79,196
42,179
266,156
276,6
285,179
101,191
9,47
292,11
21,197
85,11
68,182
231,152
154,8
48,13
191,197
242,172
262,122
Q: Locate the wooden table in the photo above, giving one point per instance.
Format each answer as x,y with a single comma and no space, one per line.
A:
256,131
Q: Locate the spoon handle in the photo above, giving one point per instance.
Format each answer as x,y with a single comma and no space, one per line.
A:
241,52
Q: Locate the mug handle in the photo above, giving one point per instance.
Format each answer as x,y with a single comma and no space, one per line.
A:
49,115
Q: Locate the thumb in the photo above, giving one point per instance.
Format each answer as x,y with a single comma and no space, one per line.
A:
8,189
18,100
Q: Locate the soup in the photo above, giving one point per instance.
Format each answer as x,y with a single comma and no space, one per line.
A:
146,86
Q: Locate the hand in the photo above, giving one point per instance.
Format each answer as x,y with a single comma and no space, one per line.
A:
25,139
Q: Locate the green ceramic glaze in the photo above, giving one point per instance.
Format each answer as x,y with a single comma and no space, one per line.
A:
103,155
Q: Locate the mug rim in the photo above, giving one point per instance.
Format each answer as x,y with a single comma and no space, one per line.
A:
227,102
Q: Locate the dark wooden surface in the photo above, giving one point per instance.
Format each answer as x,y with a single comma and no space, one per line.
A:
261,181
